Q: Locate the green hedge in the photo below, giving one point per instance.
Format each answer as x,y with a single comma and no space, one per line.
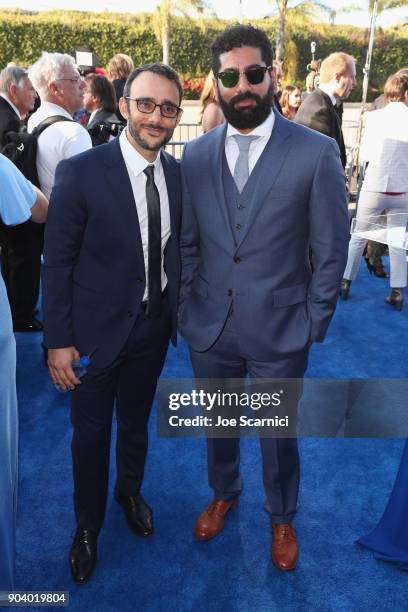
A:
24,35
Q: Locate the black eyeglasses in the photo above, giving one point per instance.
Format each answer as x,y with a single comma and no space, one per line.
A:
144,105
254,76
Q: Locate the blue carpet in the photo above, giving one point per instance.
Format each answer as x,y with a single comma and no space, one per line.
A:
345,485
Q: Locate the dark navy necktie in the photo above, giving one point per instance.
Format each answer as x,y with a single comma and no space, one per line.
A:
154,291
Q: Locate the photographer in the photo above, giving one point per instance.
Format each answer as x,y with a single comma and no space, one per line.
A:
100,101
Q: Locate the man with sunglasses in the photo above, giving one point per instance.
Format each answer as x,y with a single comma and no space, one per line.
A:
258,192
111,279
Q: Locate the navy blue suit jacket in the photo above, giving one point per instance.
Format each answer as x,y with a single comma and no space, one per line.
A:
94,275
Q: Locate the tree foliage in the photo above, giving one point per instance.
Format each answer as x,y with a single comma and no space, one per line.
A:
24,36
387,5
307,10
162,20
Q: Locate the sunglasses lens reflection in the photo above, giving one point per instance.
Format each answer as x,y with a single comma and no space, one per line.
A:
255,76
230,78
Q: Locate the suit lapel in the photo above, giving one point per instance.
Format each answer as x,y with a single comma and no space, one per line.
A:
266,170
172,176
118,178
216,154
97,118
5,106
337,130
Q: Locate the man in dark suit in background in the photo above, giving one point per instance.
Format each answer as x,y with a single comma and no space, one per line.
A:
321,110
110,281
17,99
21,245
100,101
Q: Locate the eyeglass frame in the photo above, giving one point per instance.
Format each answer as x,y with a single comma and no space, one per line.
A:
77,79
239,73
137,100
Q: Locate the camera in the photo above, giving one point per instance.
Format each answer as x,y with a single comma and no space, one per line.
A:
101,133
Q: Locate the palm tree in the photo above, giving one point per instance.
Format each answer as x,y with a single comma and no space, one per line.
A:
386,5
383,5
307,8
162,19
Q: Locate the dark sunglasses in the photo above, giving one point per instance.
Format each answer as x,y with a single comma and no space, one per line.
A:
254,76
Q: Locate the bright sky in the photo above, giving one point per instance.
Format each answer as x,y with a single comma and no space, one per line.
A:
223,8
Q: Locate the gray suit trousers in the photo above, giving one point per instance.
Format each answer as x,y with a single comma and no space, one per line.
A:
227,359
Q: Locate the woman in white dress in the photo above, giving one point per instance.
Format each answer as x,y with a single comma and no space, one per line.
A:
19,201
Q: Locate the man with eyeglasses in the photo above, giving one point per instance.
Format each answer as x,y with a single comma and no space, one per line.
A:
111,280
257,193
61,89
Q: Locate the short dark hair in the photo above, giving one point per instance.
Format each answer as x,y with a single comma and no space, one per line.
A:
103,88
156,68
241,36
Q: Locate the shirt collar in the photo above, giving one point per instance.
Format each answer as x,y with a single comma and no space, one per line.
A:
325,88
15,109
133,159
53,109
92,115
265,129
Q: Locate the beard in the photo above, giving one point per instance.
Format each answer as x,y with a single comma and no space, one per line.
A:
135,134
248,118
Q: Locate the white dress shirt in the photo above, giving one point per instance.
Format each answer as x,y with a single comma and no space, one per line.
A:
15,109
256,147
92,115
59,141
135,164
325,89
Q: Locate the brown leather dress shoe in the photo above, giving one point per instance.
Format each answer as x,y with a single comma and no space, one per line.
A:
211,520
284,547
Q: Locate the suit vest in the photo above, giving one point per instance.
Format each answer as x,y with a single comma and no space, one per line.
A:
238,204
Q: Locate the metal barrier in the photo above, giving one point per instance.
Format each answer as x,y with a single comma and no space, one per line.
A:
175,148
350,129
182,134
188,131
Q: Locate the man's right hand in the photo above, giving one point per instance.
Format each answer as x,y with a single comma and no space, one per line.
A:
59,365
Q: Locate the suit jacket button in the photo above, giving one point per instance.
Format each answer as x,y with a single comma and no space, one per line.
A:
237,259
130,313
139,279
229,291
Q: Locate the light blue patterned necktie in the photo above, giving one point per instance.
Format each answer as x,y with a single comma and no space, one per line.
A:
241,170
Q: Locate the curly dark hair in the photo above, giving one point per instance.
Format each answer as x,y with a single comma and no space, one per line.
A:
241,36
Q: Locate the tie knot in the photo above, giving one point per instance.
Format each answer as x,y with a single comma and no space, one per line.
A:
149,172
244,142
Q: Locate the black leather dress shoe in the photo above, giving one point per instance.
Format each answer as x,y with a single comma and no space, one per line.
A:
138,514
82,556
30,326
